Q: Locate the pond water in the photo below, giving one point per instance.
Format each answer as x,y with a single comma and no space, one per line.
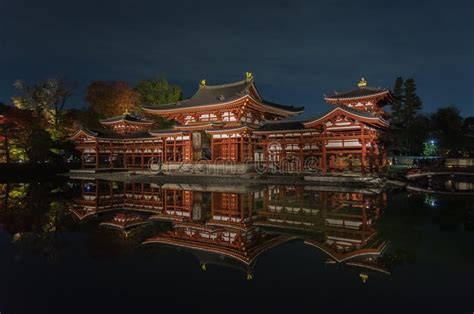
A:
89,246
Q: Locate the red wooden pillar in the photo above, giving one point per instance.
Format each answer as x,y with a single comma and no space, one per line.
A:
364,149
174,148
324,157
165,157
227,155
241,149
283,153
301,153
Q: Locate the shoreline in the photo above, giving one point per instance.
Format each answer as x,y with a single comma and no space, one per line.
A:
340,180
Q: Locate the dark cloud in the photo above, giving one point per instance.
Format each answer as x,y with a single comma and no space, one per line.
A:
298,50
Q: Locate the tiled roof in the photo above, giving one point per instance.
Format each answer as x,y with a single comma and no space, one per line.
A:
165,131
358,93
282,126
356,112
126,117
101,133
230,128
215,94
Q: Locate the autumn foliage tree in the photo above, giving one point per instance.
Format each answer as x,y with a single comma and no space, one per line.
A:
26,136
111,98
4,134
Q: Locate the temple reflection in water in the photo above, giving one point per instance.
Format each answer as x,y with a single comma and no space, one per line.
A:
233,226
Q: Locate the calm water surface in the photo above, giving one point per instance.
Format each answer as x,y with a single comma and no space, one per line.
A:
86,246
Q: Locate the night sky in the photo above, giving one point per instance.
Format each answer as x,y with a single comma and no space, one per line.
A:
297,50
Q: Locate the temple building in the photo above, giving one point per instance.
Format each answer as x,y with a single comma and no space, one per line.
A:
127,123
233,123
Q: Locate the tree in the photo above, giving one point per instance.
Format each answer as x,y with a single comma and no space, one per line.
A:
38,146
35,98
47,100
447,127
4,134
56,114
409,127
27,139
15,132
4,138
157,92
396,114
411,102
448,120
414,133
111,98
429,148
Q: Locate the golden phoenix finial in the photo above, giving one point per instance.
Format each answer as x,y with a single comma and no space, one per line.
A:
362,82
203,83
248,76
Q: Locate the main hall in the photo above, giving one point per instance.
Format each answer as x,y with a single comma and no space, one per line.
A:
234,124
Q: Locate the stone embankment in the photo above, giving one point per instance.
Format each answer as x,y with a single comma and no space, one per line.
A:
343,179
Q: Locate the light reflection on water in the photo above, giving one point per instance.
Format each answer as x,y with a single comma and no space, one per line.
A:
346,238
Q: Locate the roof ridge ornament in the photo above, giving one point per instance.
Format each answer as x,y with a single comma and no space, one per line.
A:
362,83
203,83
248,76
126,111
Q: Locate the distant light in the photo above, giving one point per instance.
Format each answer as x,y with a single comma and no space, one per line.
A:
430,201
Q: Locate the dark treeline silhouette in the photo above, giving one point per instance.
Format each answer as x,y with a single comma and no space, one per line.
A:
415,133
